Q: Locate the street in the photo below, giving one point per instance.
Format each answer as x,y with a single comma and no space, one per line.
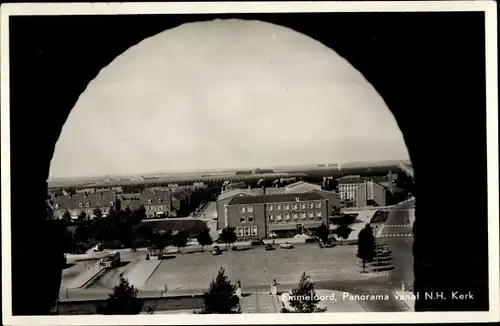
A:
397,234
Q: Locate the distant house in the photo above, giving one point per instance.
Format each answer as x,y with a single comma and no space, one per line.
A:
79,203
158,204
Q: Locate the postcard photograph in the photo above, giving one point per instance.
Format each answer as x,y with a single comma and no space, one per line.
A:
176,163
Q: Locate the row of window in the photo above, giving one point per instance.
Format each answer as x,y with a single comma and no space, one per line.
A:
246,231
151,208
245,219
295,216
111,203
249,209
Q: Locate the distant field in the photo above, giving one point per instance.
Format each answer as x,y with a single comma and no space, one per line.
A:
304,171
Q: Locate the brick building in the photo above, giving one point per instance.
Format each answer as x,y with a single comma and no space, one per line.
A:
79,203
261,216
157,203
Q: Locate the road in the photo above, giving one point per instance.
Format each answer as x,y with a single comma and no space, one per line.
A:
375,286
397,234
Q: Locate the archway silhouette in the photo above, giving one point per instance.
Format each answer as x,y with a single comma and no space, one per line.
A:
46,142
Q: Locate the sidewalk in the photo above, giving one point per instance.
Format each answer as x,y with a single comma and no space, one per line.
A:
139,274
86,276
407,297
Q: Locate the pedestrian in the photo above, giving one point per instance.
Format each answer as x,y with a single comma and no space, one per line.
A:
238,289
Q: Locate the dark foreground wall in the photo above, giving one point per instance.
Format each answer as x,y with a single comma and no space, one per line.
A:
428,67
160,304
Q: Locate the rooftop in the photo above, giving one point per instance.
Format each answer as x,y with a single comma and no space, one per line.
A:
277,198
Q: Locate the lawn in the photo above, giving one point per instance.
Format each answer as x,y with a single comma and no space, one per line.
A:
255,266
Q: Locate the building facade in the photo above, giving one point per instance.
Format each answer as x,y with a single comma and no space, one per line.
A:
86,203
348,187
264,216
370,193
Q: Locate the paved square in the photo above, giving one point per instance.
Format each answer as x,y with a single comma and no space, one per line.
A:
256,267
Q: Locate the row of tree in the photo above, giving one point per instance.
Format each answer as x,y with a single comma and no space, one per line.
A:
221,298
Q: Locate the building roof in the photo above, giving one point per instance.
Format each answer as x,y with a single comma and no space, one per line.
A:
302,186
275,198
156,197
181,193
237,192
99,199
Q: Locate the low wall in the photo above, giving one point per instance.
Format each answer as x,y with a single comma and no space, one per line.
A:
173,303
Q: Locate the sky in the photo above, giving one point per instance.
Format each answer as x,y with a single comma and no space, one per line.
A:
225,94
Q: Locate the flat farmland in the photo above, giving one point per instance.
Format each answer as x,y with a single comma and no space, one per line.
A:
255,266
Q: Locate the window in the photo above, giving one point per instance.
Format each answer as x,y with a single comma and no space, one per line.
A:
271,217
243,219
311,205
111,203
80,205
160,208
295,206
287,216
278,207
250,219
318,214
318,204
303,206
287,206
242,209
240,232
247,231
303,216
132,207
295,216
311,215
250,209
150,201
278,217
159,201
87,205
254,230
270,207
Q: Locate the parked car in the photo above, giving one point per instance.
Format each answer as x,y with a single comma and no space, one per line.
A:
257,243
216,251
312,239
286,245
269,247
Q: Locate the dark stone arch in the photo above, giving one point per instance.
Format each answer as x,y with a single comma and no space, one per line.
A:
417,68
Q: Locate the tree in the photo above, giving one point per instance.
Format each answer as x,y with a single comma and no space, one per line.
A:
82,216
323,233
303,298
123,301
180,239
67,217
144,231
204,238
228,235
221,296
97,213
83,232
343,229
139,214
366,245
